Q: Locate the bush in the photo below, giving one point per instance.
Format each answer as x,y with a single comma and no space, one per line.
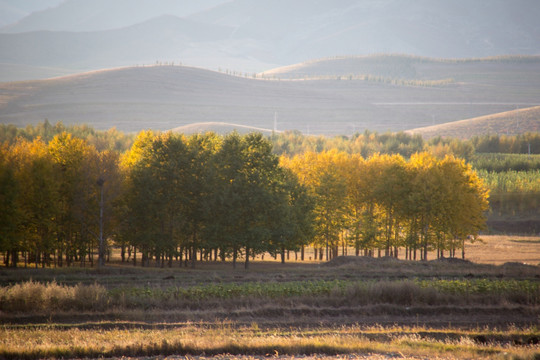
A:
33,296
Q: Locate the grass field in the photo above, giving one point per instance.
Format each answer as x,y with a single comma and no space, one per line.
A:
351,307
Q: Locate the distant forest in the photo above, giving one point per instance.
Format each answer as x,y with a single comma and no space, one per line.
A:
70,192
294,142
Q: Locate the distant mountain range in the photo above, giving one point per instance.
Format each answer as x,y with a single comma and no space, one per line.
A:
334,96
12,11
49,37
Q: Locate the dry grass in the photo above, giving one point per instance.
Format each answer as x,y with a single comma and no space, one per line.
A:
37,297
500,249
48,342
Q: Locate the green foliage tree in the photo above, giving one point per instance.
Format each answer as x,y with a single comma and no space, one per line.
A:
9,211
77,169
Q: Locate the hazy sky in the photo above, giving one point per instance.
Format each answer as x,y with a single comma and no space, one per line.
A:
255,35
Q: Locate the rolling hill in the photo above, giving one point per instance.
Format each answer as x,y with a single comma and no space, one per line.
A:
256,35
220,128
167,97
505,123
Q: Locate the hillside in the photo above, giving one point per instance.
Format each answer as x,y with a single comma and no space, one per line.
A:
407,67
256,35
219,128
166,97
507,123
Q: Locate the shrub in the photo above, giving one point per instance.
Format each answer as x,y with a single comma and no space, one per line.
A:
33,296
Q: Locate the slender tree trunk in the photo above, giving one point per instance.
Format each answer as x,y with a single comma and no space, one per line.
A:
282,255
246,264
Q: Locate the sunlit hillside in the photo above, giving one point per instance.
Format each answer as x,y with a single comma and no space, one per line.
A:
505,123
219,128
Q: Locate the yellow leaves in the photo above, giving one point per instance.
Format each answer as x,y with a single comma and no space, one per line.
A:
446,194
310,166
142,147
68,150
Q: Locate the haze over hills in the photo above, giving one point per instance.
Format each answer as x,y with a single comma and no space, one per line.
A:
99,15
257,35
335,84
167,97
14,10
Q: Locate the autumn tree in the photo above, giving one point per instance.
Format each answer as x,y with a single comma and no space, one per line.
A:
38,204
76,165
324,176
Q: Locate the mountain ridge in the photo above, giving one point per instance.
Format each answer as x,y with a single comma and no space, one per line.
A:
257,35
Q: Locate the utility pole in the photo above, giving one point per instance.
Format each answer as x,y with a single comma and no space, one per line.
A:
101,256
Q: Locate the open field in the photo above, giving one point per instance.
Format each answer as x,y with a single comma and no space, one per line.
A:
357,307
500,249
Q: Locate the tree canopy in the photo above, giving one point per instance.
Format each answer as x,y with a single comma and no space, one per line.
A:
205,196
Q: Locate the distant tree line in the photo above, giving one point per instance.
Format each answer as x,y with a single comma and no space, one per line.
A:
111,139
291,143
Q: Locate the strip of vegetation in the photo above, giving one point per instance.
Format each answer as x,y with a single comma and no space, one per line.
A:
200,340
497,162
371,78
51,297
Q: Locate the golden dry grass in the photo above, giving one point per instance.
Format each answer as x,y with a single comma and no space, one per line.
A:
500,249
48,342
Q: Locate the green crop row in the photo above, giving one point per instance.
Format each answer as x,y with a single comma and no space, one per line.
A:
482,286
235,290
325,288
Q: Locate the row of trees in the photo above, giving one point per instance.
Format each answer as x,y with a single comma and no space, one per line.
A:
294,142
49,199
385,202
206,196
167,197
222,197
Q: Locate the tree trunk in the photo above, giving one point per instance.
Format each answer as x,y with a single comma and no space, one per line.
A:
246,264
